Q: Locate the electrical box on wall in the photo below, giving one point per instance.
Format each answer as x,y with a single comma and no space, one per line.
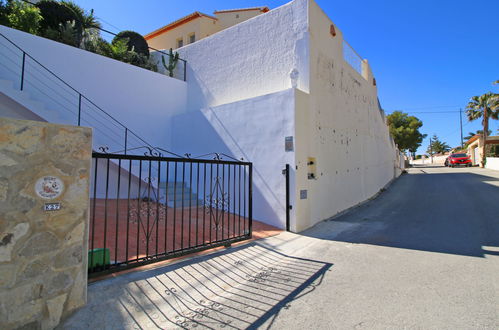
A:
312,168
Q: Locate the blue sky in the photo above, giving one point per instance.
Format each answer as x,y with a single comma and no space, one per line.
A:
428,56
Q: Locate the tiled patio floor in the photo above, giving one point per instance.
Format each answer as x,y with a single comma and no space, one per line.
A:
133,229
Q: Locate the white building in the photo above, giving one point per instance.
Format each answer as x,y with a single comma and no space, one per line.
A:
280,88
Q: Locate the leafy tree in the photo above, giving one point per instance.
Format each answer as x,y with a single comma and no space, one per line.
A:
135,42
405,131
4,13
64,21
436,146
24,17
20,15
54,14
485,106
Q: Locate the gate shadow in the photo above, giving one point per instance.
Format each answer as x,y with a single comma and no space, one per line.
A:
240,288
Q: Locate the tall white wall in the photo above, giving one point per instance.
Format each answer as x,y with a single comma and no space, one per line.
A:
280,74
340,124
263,55
142,100
253,129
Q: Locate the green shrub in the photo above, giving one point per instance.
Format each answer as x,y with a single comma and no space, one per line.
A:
20,15
88,26
54,14
492,150
66,33
99,46
68,23
59,23
119,51
136,42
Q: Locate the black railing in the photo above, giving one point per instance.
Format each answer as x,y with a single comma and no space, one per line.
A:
28,74
115,35
149,208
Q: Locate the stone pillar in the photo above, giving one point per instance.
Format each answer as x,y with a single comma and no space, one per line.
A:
44,207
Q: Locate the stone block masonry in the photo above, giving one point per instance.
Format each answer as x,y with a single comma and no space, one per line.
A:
44,203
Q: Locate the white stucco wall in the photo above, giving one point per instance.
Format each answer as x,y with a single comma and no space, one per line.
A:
338,123
142,100
492,163
253,58
253,129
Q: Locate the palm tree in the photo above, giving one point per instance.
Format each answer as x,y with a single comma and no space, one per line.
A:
478,132
86,21
485,106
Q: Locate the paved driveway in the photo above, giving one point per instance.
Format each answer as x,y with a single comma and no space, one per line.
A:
423,255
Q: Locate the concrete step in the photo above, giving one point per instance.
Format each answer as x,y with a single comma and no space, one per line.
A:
180,196
171,185
178,204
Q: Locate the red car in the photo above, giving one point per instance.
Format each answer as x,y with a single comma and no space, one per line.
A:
457,160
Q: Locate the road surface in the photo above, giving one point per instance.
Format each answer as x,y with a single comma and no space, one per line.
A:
423,255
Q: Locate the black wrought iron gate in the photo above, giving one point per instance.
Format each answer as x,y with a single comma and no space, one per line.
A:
149,208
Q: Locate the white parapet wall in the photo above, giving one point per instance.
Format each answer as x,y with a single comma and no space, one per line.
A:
344,153
263,55
254,129
492,163
142,100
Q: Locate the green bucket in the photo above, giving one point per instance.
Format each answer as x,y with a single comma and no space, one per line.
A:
100,257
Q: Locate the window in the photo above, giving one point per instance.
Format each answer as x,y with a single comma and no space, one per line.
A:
180,42
192,38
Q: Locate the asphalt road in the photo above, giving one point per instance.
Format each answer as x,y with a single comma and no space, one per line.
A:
423,255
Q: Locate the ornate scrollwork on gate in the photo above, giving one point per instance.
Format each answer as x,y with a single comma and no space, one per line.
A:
216,203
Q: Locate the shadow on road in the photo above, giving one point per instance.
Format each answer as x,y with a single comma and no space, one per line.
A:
436,211
238,288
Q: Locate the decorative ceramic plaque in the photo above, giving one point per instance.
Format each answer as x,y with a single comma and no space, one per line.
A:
49,187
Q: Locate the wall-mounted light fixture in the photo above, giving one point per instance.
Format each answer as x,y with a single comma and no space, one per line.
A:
332,30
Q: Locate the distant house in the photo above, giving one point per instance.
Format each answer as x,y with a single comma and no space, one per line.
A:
197,25
475,147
